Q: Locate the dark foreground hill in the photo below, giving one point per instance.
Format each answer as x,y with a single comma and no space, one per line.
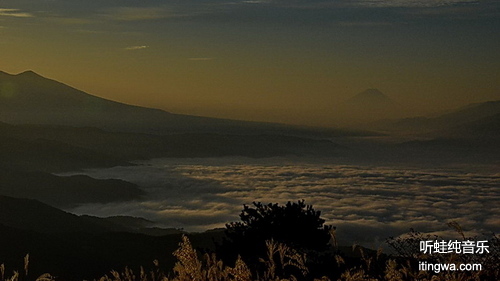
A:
65,192
32,215
80,247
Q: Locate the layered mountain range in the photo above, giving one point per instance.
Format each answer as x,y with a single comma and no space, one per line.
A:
29,98
472,121
47,127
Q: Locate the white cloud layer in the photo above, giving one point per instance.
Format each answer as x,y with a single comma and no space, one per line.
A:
367,204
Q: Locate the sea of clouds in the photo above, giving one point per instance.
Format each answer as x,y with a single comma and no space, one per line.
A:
366,204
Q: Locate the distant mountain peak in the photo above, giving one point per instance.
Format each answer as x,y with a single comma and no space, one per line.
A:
372,96
372,91
368,105
29,73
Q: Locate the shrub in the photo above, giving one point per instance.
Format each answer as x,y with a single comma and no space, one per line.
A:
295,224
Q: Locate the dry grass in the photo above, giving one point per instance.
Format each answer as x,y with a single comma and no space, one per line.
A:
281,261
280,257
17,276
189,267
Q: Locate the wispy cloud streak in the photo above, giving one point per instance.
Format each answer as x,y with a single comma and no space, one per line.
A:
412,3
15,13
135,48
200,59
138,13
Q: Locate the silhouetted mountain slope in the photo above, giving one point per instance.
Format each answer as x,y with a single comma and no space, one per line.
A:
446,151
31,98
65,192
467,135
131,222
50,155
471,112
28,98
80,247
33,215
57,148
484,128
460,117
216,145
133,225
80,256
84,147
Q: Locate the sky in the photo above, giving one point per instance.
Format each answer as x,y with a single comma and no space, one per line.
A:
288,61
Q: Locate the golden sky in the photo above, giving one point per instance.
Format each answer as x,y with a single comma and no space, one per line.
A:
268,60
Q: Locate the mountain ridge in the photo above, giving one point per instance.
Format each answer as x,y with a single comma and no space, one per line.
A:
30,214
30,98
372,95
471,113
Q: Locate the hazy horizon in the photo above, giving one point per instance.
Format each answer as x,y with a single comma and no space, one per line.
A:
356,111
277,61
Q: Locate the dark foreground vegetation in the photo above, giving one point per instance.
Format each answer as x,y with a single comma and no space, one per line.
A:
272,242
